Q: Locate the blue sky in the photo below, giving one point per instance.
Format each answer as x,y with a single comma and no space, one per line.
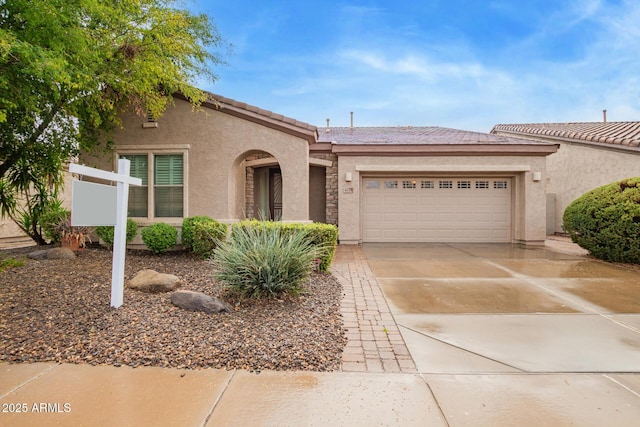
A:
465,64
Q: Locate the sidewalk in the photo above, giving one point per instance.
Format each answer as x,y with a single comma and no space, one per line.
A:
82,395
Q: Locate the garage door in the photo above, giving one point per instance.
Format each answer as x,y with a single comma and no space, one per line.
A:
437,210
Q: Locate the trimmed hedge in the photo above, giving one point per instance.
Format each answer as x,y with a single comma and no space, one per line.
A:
324,237
606,221
187,229
106,232
206,236
159,237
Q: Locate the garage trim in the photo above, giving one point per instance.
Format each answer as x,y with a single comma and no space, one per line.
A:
443,168
434,218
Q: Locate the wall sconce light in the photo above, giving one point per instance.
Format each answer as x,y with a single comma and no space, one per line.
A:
348,176
536,176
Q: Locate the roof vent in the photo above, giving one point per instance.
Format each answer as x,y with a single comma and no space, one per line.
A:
604,115
328,128
351,119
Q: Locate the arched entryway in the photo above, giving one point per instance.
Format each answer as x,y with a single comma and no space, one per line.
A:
270,184
264,190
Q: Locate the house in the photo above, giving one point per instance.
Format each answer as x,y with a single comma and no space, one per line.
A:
425,184
591,155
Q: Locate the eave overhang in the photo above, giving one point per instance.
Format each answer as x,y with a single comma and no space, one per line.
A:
445,150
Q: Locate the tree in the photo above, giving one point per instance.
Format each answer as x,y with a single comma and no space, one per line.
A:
69,68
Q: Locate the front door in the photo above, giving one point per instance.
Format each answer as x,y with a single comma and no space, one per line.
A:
275,194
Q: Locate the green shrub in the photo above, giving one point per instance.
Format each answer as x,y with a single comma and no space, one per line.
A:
187,229
159,237
324,237
606,221
264,261
205,237
106,232
50,221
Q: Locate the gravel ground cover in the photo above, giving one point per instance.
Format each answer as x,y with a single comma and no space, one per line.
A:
58,310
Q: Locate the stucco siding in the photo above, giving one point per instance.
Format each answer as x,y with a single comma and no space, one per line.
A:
576,169
217,145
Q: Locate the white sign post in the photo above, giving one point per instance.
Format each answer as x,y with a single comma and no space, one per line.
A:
123,181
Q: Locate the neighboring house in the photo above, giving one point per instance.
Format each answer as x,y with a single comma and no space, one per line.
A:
424,184
590,155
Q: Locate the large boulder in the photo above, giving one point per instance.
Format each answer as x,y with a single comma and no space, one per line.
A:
153,282
197,301
54,253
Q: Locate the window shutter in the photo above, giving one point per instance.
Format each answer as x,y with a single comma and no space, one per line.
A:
168,180
168,170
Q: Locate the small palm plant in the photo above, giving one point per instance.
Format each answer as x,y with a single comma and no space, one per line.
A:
264,261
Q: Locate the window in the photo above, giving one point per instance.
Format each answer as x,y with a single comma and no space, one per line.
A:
168,185
372,184
408,184
482,184
464,184
139,196
445,184
166,200
500,184
391,184
426,184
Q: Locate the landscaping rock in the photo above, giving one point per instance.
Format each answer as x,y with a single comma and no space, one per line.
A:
153,282
61,253
54,253
38,255
75,323
197,301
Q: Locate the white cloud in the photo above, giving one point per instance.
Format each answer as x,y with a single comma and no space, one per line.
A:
567,66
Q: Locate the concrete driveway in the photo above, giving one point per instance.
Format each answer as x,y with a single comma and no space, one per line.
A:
498,308
506,335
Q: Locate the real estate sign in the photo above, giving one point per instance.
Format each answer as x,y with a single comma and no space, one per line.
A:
93,204
86,209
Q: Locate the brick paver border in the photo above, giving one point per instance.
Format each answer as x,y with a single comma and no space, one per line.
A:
374,343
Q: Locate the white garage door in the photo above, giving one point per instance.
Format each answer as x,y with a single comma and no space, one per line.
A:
437,209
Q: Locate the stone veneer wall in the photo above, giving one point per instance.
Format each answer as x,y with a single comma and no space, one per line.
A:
249,205
331,186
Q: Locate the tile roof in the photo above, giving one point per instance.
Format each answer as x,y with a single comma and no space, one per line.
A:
222,102
614,133
431,135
